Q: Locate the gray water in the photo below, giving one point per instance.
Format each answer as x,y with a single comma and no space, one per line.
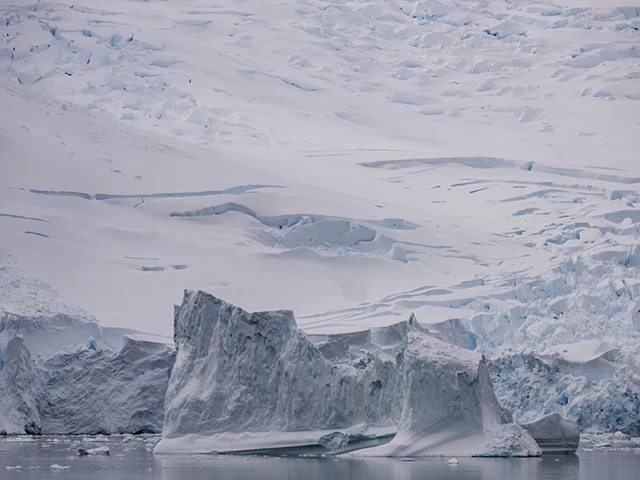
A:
133,461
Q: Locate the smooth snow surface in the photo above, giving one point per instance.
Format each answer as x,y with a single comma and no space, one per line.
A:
472,162
255,382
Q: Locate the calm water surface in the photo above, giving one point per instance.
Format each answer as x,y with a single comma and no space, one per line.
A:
132,461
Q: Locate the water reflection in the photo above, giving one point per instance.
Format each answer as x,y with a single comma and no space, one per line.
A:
266,468
132,461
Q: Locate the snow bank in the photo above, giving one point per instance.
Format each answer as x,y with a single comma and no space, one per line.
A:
254,381
82,389
554,433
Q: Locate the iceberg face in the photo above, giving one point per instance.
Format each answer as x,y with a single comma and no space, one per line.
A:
81,389
253,382
88,390
554,433
18,388
242,372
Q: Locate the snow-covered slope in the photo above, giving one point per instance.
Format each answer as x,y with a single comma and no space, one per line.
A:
338,129
254,381
474,162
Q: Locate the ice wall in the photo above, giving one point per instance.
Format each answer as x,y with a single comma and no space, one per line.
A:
253,381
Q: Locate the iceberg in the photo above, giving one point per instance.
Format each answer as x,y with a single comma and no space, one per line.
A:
89,390
254,382
82,389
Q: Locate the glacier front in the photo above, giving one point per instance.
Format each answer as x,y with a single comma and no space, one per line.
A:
251,382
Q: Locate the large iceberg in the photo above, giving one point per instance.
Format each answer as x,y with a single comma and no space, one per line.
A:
255,382
88,388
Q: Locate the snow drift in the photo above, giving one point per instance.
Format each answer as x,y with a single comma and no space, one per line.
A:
81,389
254,381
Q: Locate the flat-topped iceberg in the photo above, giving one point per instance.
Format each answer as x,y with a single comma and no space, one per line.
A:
255,382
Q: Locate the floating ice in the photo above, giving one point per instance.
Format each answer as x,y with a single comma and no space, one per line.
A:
104,450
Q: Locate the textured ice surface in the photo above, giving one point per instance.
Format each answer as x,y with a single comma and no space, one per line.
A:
253,381
19,387
80,389
88,390
553,433
601,395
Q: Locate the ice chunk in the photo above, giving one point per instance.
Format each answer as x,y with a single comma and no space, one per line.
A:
554,433
104,450
509,441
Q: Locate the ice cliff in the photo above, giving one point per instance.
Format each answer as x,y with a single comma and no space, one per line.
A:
601,394
18,388
254,381
86,388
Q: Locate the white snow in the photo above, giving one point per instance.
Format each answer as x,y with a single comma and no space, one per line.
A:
472,162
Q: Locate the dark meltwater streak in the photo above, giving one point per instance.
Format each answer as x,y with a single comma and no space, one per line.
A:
130,460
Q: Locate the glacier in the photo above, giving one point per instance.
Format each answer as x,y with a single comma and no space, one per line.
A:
322,141
602,395
247,382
